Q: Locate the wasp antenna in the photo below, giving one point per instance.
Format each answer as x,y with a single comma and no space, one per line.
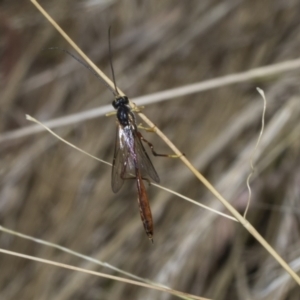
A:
82,63
110,59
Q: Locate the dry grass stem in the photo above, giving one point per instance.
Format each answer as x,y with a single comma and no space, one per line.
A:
170,94
87,258
120,279
261,92
29,118
194,202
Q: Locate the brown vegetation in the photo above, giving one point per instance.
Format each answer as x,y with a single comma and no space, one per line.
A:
55,193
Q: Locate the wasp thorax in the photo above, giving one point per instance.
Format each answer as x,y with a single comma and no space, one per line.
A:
123,115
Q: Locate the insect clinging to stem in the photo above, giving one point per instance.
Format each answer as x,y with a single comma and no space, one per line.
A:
130,160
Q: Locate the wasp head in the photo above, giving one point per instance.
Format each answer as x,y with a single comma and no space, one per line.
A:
120,101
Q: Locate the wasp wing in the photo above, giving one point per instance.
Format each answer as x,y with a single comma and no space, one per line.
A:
144,163
118,164
129,156
124,158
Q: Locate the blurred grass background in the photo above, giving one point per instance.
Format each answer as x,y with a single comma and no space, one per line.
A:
52,192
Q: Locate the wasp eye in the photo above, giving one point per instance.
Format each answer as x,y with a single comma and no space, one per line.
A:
126,101
115,104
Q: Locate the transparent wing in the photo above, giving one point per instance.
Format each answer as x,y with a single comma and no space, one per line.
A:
129,156
143,161
123,162
118,164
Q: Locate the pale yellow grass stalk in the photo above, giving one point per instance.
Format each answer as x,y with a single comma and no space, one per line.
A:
117,278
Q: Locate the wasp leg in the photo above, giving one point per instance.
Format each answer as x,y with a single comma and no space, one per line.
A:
153,151
112,113
148,129
137,109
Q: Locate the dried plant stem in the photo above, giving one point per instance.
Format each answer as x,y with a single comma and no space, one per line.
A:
195,202
88,258
208,185
159,96
106,80
261,92
29,118
117,278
